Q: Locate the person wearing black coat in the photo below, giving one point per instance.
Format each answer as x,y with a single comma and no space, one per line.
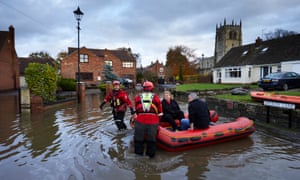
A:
198,112
171,111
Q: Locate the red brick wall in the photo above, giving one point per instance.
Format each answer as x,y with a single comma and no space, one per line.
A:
9,66
155,68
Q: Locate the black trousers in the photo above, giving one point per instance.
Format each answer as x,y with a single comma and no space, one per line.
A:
145,133
119,119
171,118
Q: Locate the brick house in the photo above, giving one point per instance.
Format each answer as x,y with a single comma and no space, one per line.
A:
9,66
158,69
92,62
24,62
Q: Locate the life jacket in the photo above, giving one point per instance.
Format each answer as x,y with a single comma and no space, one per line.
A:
147,106
116,102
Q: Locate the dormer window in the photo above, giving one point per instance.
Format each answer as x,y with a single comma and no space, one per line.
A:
245,52
264,49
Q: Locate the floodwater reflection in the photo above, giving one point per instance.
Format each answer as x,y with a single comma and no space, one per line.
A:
81,142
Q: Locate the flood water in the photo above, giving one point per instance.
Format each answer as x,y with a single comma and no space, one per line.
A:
81,142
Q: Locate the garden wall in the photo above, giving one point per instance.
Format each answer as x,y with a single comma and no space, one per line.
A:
255,111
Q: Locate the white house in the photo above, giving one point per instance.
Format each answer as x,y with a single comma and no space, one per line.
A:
247,64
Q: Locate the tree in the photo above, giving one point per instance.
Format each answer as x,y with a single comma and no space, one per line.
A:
41,54
108,73
278,33
150,76
61,55
42,80
178,61
139,75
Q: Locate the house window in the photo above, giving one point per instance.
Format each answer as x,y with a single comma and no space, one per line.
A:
161,70
265,70
233,72
108,63
84,58
249,72
85,76
127,64
278,68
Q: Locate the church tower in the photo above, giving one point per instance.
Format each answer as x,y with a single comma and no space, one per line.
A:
227,37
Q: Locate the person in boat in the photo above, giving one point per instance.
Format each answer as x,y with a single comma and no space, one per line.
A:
148,110
171,111
119,101
198,112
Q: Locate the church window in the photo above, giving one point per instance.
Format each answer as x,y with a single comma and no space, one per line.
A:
232,35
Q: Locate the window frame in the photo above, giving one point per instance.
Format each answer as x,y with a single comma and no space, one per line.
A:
127,64
84,58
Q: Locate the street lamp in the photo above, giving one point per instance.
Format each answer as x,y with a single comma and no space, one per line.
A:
202,63
78,15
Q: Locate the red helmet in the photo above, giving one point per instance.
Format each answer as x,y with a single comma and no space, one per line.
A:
148,86
116,82
214,117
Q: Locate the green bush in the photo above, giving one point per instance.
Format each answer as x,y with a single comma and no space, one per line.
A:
42,80
102,87
67,84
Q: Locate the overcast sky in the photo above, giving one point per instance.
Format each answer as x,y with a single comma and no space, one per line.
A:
148,27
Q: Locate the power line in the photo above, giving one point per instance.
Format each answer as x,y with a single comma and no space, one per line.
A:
21,12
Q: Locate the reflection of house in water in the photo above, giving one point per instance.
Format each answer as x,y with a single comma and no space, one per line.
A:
41,134
8,119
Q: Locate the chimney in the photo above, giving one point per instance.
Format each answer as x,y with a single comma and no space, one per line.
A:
258,42
12,35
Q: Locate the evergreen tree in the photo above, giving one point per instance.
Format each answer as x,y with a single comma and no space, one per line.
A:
108,73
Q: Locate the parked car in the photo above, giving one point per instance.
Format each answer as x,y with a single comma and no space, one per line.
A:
138,87
280,80
128,83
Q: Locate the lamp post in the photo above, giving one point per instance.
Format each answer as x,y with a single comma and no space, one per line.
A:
202,63
78,15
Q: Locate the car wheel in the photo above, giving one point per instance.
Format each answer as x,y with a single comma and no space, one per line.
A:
285,87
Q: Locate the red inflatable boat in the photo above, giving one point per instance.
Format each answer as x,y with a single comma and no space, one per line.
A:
188,139
266,96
